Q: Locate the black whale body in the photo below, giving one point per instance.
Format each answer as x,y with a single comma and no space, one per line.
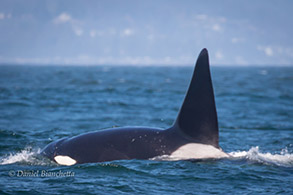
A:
196,123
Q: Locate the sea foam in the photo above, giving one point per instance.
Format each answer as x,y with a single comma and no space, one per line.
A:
284,158
28,155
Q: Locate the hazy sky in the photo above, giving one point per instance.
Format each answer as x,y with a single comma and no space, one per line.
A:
248,32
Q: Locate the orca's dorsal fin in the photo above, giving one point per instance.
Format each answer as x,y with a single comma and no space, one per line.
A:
198,116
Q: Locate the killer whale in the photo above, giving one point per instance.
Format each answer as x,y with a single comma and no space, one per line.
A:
194,134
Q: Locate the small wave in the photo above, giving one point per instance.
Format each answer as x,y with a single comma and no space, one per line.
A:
165,158
28,155
284,158
16,103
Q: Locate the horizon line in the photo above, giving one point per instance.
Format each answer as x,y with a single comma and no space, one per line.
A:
137,65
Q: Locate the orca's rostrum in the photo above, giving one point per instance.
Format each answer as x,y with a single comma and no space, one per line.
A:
194,135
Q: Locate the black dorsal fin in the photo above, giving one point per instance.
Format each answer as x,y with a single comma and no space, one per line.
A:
198,116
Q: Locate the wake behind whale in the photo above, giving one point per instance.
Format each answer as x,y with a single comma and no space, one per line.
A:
194,135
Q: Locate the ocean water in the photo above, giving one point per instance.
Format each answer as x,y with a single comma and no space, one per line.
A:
42,104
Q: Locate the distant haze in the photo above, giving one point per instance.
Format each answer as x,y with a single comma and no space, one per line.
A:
158,32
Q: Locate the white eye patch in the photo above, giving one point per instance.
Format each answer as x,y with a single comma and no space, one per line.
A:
64,160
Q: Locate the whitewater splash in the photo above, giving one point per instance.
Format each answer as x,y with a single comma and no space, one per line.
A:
28,155
284,158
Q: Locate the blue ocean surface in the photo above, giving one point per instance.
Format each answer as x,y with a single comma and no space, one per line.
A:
40,104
